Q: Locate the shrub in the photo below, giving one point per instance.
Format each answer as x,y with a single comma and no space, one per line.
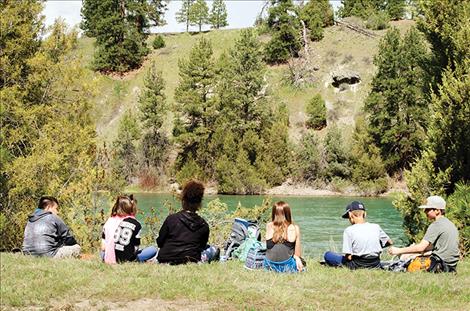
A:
377,20
459,212
316,111
158,42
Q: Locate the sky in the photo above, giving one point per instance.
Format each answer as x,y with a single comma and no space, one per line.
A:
241,13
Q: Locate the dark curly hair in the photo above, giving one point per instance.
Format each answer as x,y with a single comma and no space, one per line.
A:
191,196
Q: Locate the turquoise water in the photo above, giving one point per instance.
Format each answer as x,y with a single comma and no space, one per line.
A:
319,218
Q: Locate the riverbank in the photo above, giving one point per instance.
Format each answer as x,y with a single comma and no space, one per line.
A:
39,283
288,189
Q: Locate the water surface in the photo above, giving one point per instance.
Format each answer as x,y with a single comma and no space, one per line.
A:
319,218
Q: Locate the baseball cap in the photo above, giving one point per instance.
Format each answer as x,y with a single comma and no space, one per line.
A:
353,206
434,202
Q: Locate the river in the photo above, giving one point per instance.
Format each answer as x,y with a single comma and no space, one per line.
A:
319,218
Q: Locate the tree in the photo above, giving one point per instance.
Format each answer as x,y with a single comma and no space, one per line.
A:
195,104
335,155
218,16
308,158
317,14
396,106
199,13
48,135
316,113
182,16
285,29
364,8
121,29
153,107
125,148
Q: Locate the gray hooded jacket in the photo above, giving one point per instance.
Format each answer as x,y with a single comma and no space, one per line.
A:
45,233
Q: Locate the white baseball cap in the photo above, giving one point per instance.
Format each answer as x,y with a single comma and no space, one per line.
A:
434,202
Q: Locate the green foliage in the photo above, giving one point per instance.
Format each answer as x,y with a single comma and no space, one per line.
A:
189,170
368,170
316,113
449,129
220,219
195,109
158,42
182,16
120,28
458,211
154,144
285,29
309,158
199,13
317,14
48,137
377,20
218,16
445,24
422,181
396,105
125,148
336,156
394,9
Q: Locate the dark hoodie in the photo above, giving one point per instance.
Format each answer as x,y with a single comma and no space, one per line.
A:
45,233
182,238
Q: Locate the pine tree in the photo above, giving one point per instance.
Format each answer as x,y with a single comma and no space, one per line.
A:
199,13
218,16
317,14
153,107
195,104
285,29
182,16
336,157
395,9
396,105
121,29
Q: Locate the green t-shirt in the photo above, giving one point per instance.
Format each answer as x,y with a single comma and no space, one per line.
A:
444,237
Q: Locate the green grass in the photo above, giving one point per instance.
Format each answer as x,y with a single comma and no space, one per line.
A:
28,282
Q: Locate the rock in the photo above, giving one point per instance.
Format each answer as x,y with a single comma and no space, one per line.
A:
345,76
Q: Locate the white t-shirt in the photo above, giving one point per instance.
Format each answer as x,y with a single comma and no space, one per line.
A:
364,239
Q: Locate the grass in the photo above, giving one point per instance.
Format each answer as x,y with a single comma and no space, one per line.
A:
28,282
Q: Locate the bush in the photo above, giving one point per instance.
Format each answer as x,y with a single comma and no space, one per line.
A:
373,187
308,158
338,184
459,213
377,21
316,112
158,42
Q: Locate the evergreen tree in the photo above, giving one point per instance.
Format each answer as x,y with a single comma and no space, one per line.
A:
121,29
316,113
395,9
396,105
125,148
286,32
309,158
218,16
317,14
364,8
153,108
182,16
195,104
199,13
335,155
440,21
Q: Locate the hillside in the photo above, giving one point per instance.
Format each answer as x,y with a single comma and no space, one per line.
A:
341,49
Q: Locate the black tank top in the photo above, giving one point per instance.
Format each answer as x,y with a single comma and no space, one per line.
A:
279,251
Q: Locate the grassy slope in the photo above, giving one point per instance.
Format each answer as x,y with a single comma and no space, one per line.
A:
340,49
27,282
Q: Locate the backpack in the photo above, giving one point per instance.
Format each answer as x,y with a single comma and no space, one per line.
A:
239,233
255,258
250,242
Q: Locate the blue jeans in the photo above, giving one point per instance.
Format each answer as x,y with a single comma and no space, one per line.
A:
334,259
210,254
288,265
142,254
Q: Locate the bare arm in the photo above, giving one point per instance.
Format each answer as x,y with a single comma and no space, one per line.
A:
269,230
413,249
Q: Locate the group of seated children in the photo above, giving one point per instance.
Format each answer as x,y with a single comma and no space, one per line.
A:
184,236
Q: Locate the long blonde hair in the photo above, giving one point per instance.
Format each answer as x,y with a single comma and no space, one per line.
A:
281,218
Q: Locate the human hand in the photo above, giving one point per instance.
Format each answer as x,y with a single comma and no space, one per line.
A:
298,263
392,250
